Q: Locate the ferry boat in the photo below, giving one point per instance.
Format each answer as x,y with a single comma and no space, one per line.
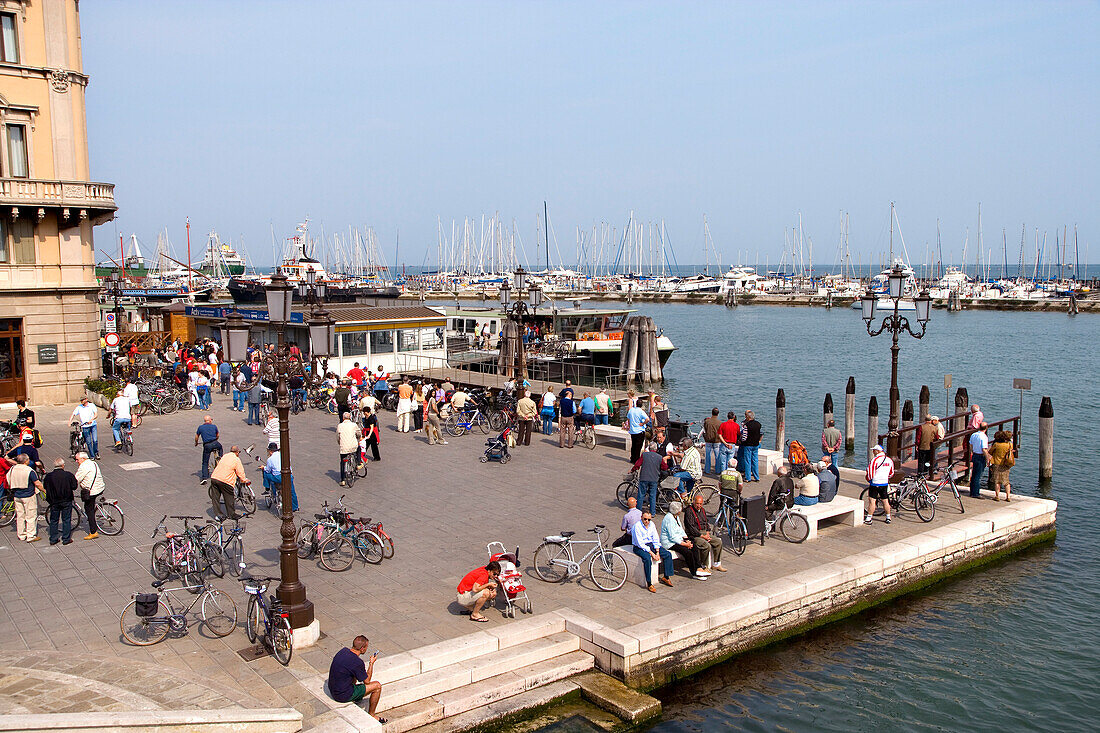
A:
220,259
593,333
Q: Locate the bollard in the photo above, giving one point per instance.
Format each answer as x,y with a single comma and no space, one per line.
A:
1046,439
850,415
827,410
924,400
780,420
906,422
962,405
872,425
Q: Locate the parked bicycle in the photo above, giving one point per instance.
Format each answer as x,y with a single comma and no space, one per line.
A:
266,620
109,517
729,522
666,494
187,555
148,617
792,525
555,560
228,541
460,423
910,494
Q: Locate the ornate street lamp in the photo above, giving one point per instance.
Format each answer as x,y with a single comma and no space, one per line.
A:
895,323
518,301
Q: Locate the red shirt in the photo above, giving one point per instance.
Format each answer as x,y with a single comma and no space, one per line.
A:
357,374
730,431
480,576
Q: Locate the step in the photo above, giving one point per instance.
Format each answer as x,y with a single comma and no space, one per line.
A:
491,698
474,669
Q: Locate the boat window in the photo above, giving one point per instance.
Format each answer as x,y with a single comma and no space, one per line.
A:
408,339
471,325
381,342
431,338
353,344
492,326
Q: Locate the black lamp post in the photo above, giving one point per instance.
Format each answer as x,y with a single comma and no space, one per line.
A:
113,288
528,299
895,323
280,368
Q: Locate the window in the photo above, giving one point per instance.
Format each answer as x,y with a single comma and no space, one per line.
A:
353,344
431,338
381,342
17,151
408,339
9,49
471,325
22,235
3,241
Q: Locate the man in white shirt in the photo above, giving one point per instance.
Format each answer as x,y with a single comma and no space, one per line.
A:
131,392
120,408
879,471
979,459
85,416
348,435
90,481
647,546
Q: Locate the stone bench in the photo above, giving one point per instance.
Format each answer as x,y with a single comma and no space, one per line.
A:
841,508
612,432
634,570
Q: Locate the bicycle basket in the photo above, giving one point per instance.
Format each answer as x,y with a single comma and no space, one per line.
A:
146,604
254,589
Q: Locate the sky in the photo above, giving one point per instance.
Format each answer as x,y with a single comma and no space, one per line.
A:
248,117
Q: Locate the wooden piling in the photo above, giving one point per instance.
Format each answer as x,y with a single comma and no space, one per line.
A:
1046,439
872,425
632,354
924,400
906,422
780,421
962,404
850,415
827,410
643,349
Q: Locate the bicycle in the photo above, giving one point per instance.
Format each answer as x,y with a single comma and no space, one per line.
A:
910,494
339,550
147,619
555,560
276,632
185,555
729,522
792,525
666,494
127,435
228,542
311,535
355,466
109,516
587,435
947,480
460,423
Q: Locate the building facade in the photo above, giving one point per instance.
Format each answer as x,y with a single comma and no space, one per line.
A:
49,322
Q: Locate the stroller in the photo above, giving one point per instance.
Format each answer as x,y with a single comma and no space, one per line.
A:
798,458
510,579
498,447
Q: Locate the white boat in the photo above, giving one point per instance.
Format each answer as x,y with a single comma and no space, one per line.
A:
740,280
887,304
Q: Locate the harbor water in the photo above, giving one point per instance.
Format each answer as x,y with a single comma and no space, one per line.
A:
1008,647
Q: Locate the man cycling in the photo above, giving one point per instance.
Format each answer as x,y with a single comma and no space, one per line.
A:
120,417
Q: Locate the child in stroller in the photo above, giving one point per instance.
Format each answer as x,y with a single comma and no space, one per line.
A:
498,447
510,579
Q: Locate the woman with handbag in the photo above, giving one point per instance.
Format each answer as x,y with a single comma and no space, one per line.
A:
1002,459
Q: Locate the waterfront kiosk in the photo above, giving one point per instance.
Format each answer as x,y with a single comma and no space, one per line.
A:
370,335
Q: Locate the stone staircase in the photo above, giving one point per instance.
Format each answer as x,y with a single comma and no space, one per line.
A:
495,672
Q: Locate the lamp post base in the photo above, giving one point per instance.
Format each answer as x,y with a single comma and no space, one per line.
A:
307,635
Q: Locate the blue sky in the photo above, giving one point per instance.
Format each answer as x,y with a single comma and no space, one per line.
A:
247,116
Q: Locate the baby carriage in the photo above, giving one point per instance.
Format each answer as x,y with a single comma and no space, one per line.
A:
498,447
510,579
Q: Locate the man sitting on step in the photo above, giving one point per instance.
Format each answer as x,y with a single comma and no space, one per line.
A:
350,681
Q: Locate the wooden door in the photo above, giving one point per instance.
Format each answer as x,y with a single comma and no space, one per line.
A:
13,385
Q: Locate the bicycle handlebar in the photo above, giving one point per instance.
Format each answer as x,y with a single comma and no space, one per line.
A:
159,525
257,579
174,516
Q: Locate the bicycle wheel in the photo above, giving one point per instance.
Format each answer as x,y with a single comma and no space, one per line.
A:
362,469
625,491
135,417
711,500
128,445
387,545
879,511
143,631
252,624
454,426
108,518
214,559
167,405
212,462
282,639
482,423
304,539
349,471
218,612
589,437
607,570
234,555
337,553
663,499
159,563
923,506
183,401
369,546
7,512
331,407
247,498
545,565
739,537
142,408
498,419
794,527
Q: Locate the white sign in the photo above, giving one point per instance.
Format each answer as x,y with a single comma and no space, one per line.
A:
109,321
111,339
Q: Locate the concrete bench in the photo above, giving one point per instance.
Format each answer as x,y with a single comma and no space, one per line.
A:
612,432
635,573
841,508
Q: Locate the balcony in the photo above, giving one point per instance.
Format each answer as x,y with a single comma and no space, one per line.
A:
71,201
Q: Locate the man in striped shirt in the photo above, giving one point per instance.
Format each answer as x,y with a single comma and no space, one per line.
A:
879,471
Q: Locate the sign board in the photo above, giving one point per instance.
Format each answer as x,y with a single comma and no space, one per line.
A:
249,314
111,339
947,381
112,349
110,321
47,353
1021,384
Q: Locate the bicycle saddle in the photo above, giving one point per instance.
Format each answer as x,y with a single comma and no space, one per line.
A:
158,583
567,534
320,516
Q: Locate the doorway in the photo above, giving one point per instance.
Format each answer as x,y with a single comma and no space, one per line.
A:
13,384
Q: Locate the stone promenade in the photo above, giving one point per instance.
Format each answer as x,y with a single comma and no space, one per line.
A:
59,605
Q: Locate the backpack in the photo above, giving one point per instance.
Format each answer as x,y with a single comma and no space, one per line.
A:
796,454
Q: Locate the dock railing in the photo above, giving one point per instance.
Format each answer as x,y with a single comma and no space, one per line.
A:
957,443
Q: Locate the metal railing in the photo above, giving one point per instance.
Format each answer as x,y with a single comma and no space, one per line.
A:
957,442
486,372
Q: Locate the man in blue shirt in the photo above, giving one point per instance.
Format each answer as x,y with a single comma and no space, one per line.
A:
224,372
566,410
208,434
587,414
349,680
636,422
273,475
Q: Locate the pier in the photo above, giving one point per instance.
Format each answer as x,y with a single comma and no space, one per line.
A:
442,506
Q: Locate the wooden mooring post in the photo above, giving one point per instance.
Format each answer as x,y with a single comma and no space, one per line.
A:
827,410
872,425
962,405
850,415
924,404
780,420
1046,439
906,422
